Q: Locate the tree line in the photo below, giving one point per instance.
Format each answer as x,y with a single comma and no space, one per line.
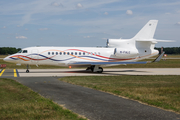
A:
170,50
8,50
12,50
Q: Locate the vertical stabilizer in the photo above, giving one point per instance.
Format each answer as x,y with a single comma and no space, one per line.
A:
147,32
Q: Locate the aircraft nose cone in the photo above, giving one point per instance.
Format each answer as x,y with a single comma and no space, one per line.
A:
6,59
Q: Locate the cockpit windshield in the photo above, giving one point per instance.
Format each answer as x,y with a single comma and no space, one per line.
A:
23,51
20,51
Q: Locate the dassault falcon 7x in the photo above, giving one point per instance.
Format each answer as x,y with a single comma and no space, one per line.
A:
117,51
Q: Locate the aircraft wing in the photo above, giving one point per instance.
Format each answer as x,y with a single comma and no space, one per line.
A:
106,63
120,63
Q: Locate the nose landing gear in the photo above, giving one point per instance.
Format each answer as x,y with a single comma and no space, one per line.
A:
27,71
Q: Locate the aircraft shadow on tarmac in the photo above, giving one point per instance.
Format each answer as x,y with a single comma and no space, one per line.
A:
113,72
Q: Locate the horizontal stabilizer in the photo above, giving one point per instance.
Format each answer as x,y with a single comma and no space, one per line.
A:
165,40
154,40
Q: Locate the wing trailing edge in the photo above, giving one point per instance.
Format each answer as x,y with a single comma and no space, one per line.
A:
105,63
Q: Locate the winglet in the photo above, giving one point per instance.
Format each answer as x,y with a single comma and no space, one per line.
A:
159,57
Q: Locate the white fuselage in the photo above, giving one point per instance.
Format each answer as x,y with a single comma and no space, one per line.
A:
64,56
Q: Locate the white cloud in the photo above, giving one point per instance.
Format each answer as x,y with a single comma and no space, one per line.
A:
87,36
79,5
18,26
178,23
56,4
4,27
27,10
129,12
43,29
21,37
106,13
26,18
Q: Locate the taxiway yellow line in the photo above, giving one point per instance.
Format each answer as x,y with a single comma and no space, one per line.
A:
2,72
15,74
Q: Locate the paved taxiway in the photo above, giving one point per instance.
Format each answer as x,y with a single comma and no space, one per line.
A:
93,104
82,72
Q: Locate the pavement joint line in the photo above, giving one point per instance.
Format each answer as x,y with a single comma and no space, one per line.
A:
15,74
2,71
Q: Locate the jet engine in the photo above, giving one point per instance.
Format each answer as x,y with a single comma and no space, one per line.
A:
126,53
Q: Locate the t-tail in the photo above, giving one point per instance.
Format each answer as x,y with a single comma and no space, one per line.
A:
141,45
147,32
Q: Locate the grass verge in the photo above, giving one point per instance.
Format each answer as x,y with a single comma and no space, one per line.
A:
160,91
19,102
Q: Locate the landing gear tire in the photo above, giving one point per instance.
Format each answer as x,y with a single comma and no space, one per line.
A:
101,70
27,71
90,68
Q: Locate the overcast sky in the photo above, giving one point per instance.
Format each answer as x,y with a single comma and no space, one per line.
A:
25,23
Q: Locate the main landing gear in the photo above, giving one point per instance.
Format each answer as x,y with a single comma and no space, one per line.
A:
95,68
27,71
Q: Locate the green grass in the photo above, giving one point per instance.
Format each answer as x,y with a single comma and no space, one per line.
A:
3,56
170,63
160,91
18,102
169,56
172,56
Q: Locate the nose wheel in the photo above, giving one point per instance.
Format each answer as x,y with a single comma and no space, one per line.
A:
27,71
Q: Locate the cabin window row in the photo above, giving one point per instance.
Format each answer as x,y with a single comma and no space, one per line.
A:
72,53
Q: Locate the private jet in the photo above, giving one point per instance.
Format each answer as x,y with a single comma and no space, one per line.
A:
116,52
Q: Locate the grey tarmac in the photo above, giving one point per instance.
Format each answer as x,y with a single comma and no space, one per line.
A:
93,104
107,72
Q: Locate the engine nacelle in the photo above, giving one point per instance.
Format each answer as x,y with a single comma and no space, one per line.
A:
126,53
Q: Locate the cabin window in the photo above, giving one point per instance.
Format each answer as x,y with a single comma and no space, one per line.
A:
94,53
75,53
52,53
91,53
56,53
49,53
67,53
79,53
98,53
71,53
20,51
24,51
64,53
83,53
60,53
